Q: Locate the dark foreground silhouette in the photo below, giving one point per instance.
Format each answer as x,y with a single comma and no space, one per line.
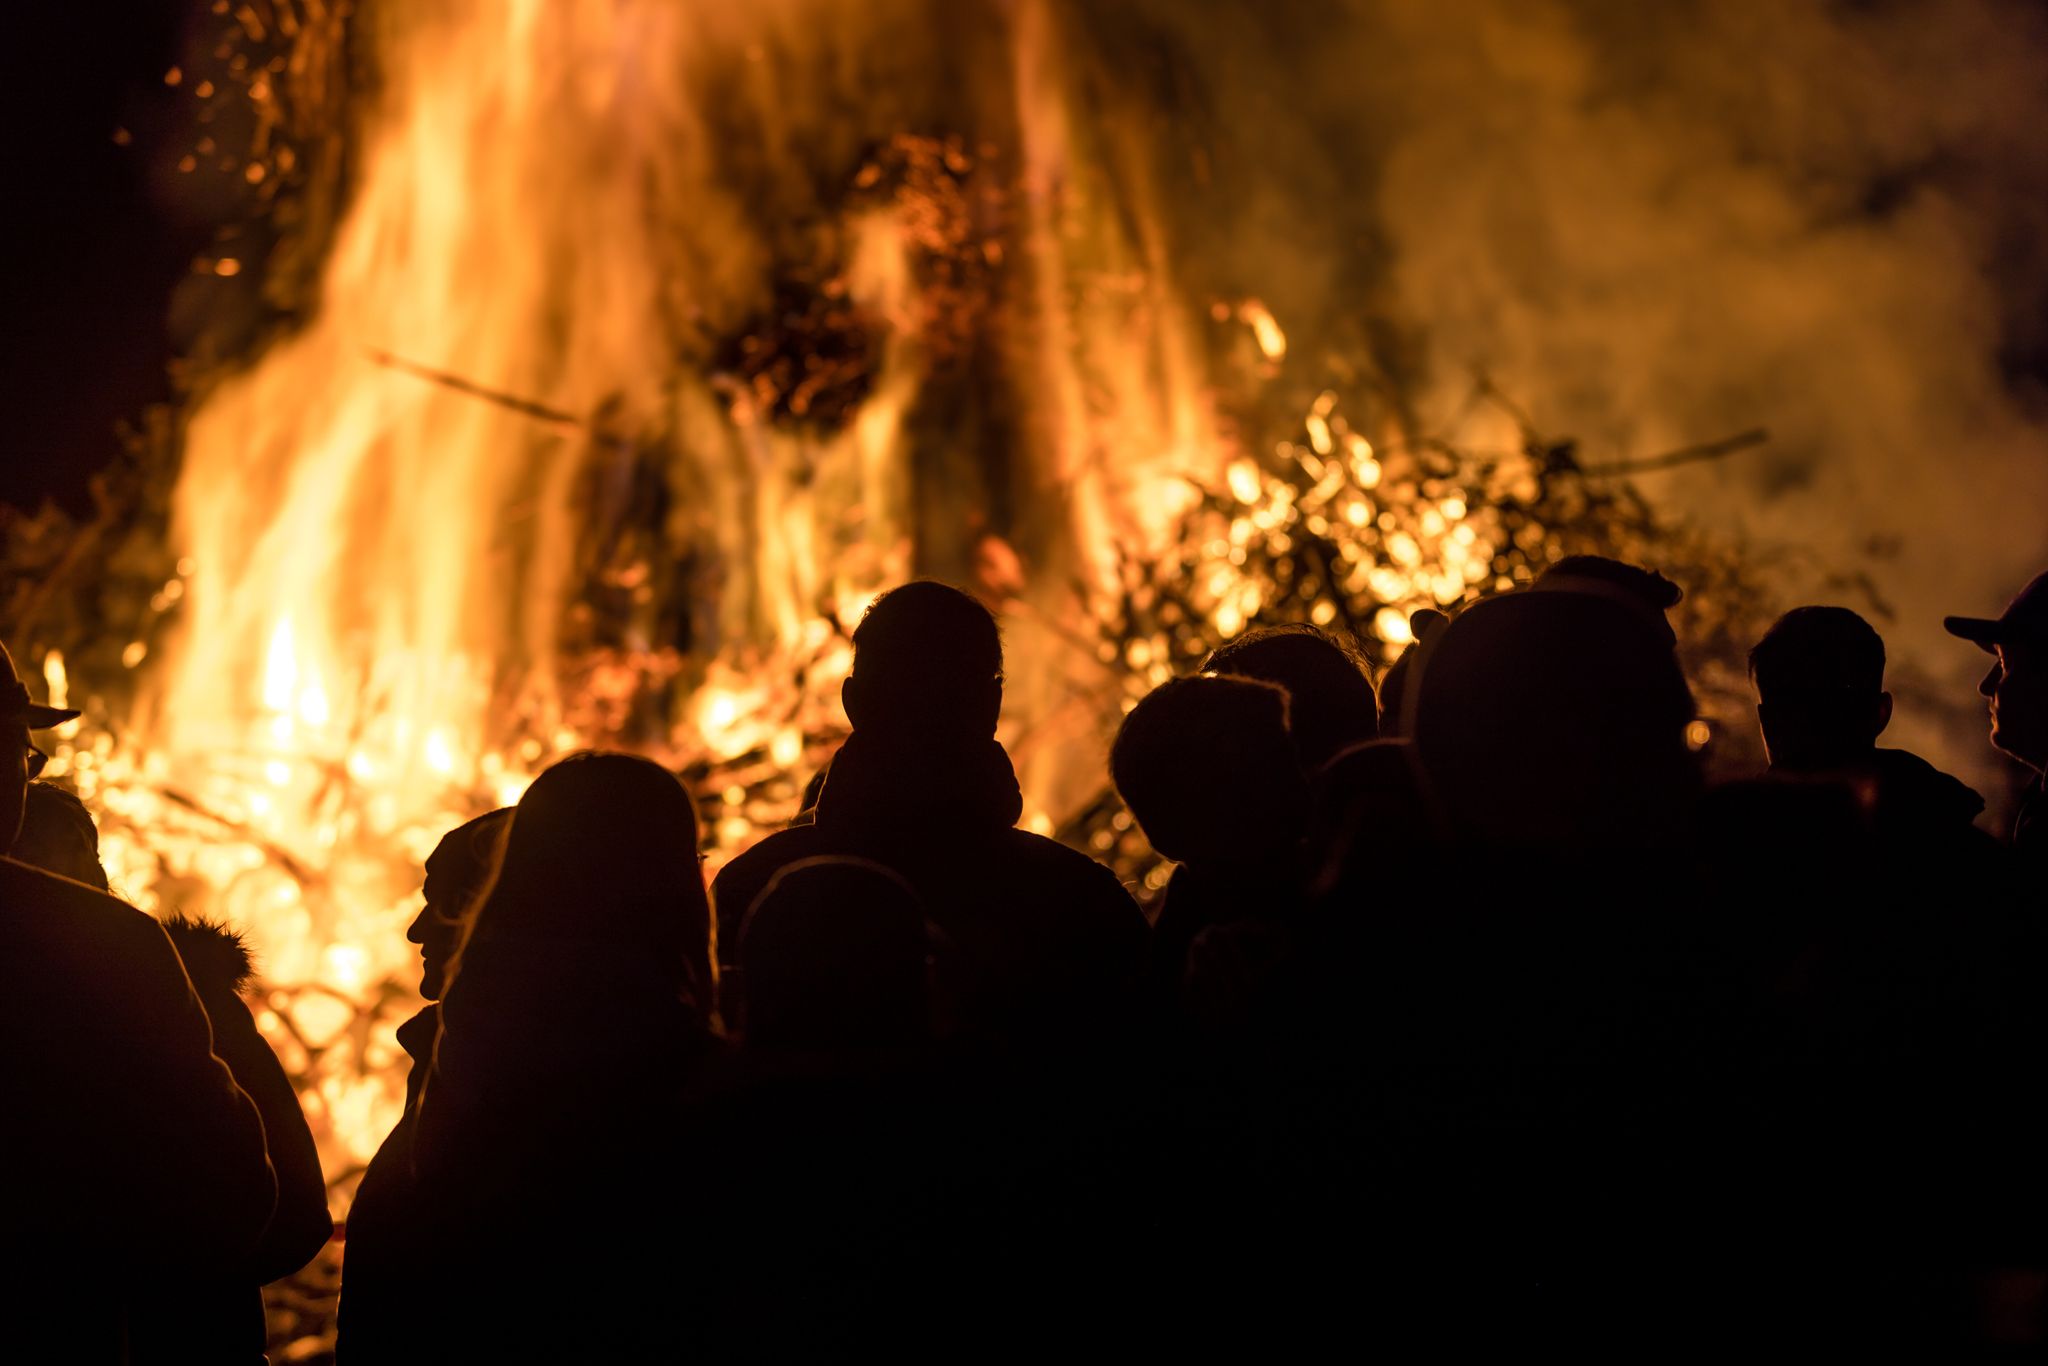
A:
1476,1025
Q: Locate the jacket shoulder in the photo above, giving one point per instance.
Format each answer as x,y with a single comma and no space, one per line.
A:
35,905
1092,882
740,881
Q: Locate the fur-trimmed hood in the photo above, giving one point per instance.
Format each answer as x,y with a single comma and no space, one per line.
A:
216,956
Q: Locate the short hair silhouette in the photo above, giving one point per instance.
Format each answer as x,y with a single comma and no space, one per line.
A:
1631,584
1207,767
1819,676
833,955
602,849
58,836
1647,586
1816,649
1553,719
1331,704
926,658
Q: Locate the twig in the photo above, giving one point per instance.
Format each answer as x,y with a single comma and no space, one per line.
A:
525,407
1685,455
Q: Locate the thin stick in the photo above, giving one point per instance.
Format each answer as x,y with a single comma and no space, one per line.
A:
525,407
1685,455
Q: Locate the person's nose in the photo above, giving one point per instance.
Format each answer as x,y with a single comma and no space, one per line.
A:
1988,685
416,933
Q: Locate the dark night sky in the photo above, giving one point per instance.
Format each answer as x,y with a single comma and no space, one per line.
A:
93,253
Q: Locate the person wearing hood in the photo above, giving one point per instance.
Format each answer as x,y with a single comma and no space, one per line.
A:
1038,940
1821,705
1210,770
551,1205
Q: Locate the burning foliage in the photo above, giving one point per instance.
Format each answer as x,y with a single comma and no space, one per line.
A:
1352,536
323,744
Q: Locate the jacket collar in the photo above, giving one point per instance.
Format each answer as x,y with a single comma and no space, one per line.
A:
920,782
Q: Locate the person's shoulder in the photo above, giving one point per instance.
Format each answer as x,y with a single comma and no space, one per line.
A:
1050,859
758,862
38,900
748,873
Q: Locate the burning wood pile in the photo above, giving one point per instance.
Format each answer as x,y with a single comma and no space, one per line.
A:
433,516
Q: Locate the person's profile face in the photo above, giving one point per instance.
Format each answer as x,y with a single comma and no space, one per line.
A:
436,929
2017,686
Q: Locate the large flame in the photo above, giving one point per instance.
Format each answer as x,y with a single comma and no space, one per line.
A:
383,521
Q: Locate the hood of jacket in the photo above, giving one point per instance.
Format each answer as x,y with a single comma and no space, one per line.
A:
884,784
216,957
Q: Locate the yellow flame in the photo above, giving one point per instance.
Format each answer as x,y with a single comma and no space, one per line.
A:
1265,329
55,679
280,669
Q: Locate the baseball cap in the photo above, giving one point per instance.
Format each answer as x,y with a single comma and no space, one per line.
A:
2025,618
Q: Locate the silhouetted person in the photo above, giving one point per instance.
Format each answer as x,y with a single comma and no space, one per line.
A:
218,963
1331,703
831,1148
137,1167
1821,704
1423,623
58,836
2017,688
835,956
1042,941
553,1197
1556,721
387,1293
1513,1016
1372,819
1642,589
1208,767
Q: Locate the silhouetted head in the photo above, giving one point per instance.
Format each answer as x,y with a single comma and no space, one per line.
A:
1330,701
457,872
1820,698
1423,623
834,954
2017,685
927,663
21,761
1372,821
1209,770
602,851
58,836
1555,720
1644,589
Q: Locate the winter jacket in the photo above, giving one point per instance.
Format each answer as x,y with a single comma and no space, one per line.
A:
218,963
550,1204
137,1168
388,1295
1038,938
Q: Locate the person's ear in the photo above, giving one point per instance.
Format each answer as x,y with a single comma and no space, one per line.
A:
992,704
852,698
1884,714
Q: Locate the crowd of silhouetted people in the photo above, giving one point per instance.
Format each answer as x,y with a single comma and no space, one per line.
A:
1470,1015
